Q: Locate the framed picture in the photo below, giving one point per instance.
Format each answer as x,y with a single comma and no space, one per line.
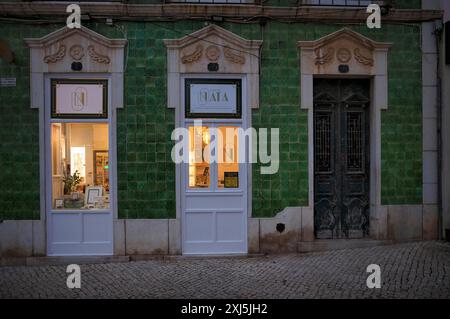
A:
82,98
59,203
231,179
92,193
213,98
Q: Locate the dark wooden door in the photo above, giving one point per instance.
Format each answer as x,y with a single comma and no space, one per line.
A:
341,158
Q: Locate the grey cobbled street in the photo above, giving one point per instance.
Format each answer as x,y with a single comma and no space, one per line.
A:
410,270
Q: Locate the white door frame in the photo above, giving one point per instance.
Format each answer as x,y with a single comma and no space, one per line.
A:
181,171
104,247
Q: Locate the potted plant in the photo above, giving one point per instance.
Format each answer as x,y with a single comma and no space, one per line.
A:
71,183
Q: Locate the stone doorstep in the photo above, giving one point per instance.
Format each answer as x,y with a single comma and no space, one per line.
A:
339,244
80,260
191,257
61,260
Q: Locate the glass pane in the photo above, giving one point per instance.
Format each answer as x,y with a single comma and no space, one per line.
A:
227,157
199,165
80,166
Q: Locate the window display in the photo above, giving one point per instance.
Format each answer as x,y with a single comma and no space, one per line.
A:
199,166
227,163
80,166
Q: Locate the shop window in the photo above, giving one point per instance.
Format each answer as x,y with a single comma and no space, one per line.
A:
227,164
80,165
225,153
199,162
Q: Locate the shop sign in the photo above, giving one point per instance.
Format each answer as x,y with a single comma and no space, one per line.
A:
210,98
79,98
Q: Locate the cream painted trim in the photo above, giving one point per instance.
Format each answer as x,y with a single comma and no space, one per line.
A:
379,75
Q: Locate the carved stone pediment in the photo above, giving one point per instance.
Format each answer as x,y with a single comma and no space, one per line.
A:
344,47
223,51
58,50
213,44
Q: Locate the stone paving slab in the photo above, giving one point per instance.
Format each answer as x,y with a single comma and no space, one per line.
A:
411,270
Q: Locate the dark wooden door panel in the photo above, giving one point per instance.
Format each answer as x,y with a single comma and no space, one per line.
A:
341,158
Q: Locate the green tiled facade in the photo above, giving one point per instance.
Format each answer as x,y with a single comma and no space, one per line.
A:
146,175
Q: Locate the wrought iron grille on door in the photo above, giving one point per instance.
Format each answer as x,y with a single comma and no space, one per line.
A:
341,158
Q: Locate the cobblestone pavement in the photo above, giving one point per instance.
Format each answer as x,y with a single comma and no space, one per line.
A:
412,270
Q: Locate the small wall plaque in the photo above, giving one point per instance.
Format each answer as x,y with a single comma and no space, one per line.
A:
5,82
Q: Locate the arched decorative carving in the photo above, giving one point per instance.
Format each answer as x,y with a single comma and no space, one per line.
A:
76,51
213,53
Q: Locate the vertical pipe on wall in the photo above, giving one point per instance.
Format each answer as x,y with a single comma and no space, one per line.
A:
438,34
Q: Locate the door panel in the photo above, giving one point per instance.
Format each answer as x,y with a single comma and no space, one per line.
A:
341,158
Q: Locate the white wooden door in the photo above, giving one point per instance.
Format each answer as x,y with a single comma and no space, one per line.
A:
214,196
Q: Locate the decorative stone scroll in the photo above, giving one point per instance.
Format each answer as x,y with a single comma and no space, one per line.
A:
53,58
97,57
193,57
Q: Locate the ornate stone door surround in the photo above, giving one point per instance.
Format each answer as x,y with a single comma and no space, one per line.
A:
328,57
58,54
190,56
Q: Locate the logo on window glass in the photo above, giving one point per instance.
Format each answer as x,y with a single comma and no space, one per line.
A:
79,99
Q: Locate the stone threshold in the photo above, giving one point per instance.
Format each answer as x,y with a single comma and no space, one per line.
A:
61,260
80,260
339,244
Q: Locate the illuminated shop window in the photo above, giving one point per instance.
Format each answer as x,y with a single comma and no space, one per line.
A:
80,165
199,165
227,164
